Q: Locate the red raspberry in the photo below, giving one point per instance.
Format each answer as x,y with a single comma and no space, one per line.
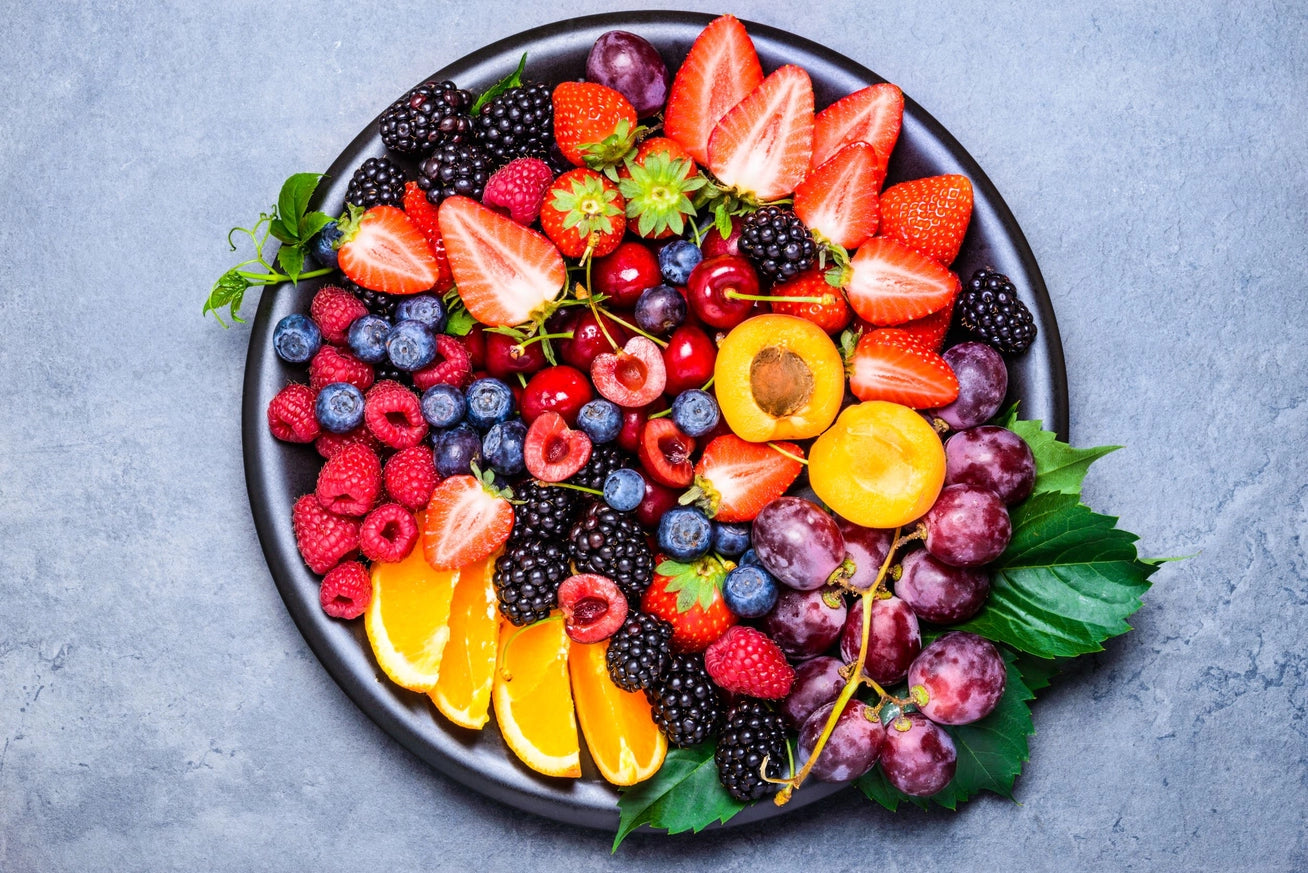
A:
423,214
519,188
452,366
329,444
393,414
290,414
346,591
334,309
330,364
410,477
324,538
388,533
350,483
746,661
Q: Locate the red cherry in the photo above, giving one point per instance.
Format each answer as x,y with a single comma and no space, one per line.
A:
552,451
589,340
658,500
689,359
713,287
624,274
633,376
505,357
715,245
633,422
475,343
665,453
560,389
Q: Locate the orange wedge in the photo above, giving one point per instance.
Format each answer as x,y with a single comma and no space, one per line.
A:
533,703
408,620
463,690
624,742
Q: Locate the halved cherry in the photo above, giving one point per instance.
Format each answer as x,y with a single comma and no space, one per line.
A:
593,607
633,376
688,359
552,450
665,453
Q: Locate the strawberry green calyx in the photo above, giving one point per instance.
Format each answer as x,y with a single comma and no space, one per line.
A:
657,194
487,479
588,205
698,584
702,495
614,148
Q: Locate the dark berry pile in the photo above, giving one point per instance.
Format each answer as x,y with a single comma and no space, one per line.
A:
989,308
518,124
752,733
687,706
461,168
430,114
777,242
377,182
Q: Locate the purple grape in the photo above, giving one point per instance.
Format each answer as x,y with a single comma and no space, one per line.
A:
817,682
893,641
867,548
967,527
963,675
851,750
982,384
993,459
797,542
920,759
940,593
630,65
806,623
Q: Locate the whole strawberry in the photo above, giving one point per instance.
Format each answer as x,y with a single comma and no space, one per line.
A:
747,661
829,311
689,597
595,126
929,215
584,214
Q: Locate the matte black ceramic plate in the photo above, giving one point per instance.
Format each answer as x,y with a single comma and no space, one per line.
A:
278,473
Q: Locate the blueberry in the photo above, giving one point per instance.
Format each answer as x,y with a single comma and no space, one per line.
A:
339,407
750,592
456,450
296,338
490,401
730,540
367,338
425,308
601,420
410,345
323,245
660,310
677,259
685,533
749,559
502,447
443,406
695,412
624,489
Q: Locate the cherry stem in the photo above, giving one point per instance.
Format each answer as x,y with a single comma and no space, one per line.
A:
709,384
543,336
574,487
658,414
634,329
771,298
603,328
780,451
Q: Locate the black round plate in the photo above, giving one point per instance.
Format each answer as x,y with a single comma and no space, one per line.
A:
278,473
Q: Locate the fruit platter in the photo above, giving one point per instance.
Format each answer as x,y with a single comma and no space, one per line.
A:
657,419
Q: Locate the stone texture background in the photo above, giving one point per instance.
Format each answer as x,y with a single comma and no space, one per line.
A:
158,709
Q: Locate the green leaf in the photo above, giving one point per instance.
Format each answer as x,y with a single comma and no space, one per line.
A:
513,80
1059,467
281,232
1039,673
685,795
293,201
460,323
312,223
1068,580
227,291
291,260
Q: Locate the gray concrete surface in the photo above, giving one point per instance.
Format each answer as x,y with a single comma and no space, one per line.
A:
158,709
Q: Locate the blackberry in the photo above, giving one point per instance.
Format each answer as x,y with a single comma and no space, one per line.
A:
638,652
604,459
378,182
519,123
527,578
546,512
685,703
378,303
988,307
455,168
778,243
613,544
430,114
752,732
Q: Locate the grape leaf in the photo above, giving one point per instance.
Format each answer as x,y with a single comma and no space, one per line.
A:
1059,467
292,203
1067,581
228,291
990,752
684,795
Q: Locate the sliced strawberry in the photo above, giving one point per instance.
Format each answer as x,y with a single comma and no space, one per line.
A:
735,478
929,215
872,115
763,145
595,126
930,330
423,215
720,69
889,283
839,198
689,597
830,311
891,365
466,521
382,250
505,273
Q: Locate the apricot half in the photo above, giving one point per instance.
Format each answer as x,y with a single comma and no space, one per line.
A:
778,377
880,465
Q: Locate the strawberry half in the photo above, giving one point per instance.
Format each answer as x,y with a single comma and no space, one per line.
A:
689,597
505,273
872,115
929,215
595,126
930,330
382,250
466,521
839,198
735,479
423,215
762,146
891,365
721,68
889,283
